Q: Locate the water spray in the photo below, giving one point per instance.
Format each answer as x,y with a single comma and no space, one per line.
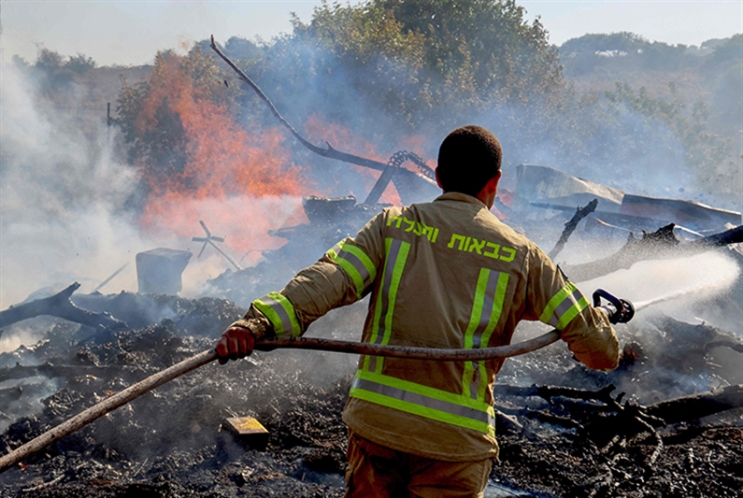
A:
620,311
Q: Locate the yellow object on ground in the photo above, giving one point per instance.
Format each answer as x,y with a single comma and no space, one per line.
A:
244,426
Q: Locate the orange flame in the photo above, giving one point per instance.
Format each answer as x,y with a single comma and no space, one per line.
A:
241,183
222,161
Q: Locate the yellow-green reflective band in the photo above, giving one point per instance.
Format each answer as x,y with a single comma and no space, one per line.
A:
572,312
476,319
555,301
280,313
486,312
564,306
499,300
424,401
356,263
394,264
397,269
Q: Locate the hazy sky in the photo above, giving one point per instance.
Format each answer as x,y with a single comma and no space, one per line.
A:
131,31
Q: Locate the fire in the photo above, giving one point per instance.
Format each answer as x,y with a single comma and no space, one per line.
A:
224,171
241,182
341,138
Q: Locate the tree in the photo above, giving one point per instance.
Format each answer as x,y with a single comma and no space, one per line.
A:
424,60
485,41
80,63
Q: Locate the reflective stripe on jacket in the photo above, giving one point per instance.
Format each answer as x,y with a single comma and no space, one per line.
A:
445,274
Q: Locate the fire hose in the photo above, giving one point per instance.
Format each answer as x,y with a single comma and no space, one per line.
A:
618,309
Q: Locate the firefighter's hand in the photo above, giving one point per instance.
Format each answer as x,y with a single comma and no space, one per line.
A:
235,343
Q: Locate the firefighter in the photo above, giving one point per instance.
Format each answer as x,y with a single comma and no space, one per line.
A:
444,274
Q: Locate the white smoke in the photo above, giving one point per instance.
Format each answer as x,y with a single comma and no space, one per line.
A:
61,196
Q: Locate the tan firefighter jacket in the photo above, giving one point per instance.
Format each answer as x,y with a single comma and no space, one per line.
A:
445,274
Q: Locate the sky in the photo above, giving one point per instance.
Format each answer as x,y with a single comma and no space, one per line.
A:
130,32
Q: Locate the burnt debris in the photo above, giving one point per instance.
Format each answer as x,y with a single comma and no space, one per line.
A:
565,430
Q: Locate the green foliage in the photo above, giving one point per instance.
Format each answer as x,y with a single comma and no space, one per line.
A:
592,52
53,76
80,63
130,105
730,50
614,42
359,34
420,57
48,60
485,42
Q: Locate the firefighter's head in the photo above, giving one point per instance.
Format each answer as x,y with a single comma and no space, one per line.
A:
469,160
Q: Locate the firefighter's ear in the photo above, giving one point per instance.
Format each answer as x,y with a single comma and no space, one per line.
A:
438,180
489,191
496,179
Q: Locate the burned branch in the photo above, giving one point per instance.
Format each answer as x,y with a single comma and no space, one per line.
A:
404,180
735,346
58,305
661,244
633,417
696,406
571,225
328,152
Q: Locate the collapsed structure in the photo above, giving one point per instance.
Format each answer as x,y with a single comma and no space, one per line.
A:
666,423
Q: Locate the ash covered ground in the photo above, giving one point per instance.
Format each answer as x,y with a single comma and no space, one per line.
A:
171,441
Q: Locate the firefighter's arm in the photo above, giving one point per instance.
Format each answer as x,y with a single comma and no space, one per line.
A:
344,274
558,302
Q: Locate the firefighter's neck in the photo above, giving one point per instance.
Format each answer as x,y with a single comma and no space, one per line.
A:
489,191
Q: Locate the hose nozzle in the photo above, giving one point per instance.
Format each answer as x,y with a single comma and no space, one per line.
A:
619,310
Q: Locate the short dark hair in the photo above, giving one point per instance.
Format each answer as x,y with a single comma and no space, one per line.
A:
468,158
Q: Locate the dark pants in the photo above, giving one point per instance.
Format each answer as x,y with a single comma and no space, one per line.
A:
378,471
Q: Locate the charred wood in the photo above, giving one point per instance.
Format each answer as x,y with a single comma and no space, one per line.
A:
571,225
612,419
658,442
549,392
735,346
732,236
661,244
693,407
58,305
544,417
44,485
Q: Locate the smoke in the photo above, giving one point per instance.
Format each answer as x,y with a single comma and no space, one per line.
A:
64,213
18,336
605,139
61,196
